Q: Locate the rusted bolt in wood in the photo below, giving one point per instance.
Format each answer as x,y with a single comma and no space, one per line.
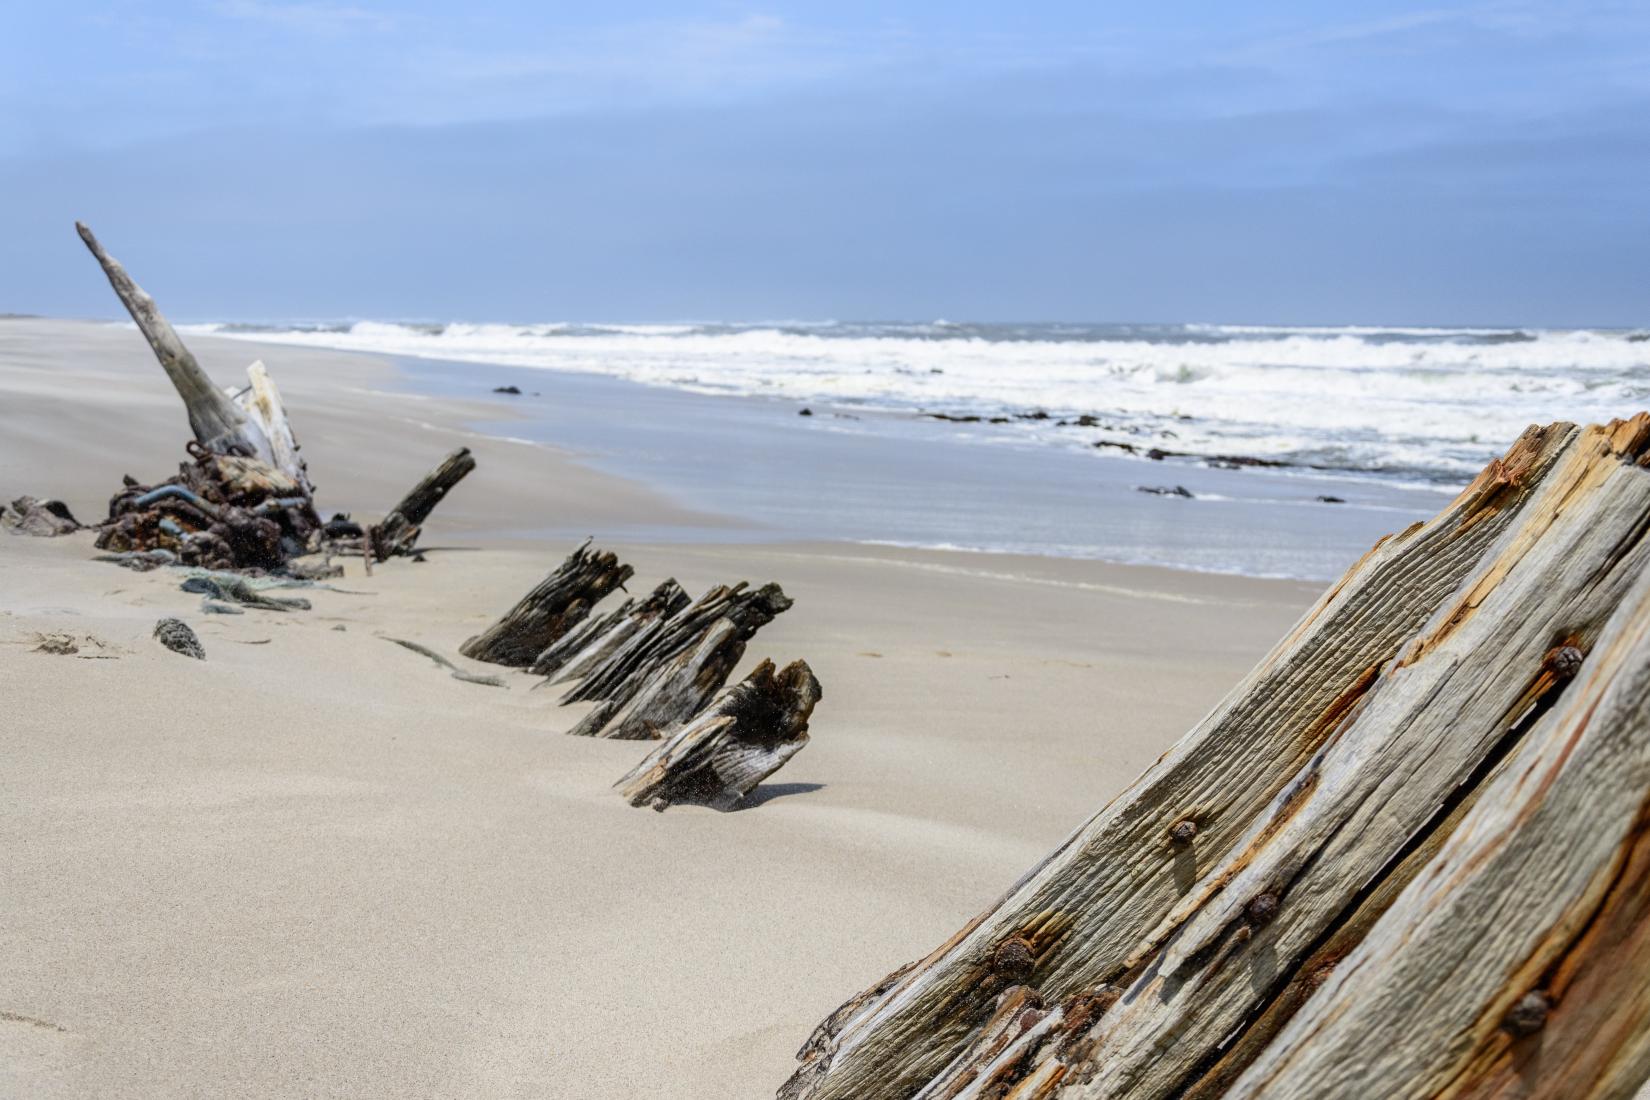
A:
1528,1014
1183,831
1565,661
1261,909
1013,961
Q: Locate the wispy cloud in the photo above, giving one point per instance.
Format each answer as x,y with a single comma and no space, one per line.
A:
306,18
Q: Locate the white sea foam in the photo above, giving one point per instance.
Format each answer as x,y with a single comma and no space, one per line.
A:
1411,402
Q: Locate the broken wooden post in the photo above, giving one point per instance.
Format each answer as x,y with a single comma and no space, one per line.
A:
262,403
1172,938
218,423
399,530
596,639
746,735
616,680
554,606
674,693
1518,962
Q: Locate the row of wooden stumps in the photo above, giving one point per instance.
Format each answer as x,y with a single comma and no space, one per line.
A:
244,501
1409,856
656,668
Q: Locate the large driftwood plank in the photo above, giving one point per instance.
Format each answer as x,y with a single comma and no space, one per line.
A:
218,423
1518,964
554,606
1082,918
399,530
1434,719
751,730
262,404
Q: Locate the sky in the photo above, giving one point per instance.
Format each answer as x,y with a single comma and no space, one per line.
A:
1359,162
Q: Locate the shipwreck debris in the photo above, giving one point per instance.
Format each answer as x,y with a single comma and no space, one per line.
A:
40,518
175,635
643,664
458,673
1367,794
553,607
399,530
245,502
219,512
750,731
235,590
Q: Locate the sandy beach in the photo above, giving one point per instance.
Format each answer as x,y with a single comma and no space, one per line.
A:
316,865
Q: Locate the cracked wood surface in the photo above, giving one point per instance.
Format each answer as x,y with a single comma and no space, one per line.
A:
553,607
1259,842
746,735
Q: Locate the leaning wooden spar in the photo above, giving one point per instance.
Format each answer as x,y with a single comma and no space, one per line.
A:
245,500
1409,856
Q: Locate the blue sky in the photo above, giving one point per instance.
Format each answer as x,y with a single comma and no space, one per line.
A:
1356,162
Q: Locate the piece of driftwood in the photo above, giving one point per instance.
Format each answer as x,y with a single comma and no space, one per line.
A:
1197,922
399,530
232,589
175,635
580,650
554,606
618,679
40,518
262,404
1518,962
676,692
745,736
457,673
219,424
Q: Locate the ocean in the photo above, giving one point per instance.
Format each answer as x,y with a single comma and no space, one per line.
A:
1045,432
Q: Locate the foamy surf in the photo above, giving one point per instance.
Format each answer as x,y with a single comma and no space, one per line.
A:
1411,403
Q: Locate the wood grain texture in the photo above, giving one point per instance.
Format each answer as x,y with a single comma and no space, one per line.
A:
398,532
1277,833
554,606
747,734
1544,889
676,692
633,666
217,422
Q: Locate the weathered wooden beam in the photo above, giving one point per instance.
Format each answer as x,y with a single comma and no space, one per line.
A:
1154,872
398,532
1518,963
676,691
262,404
633,666
577,652
1446,710
218,423
554,606
744,737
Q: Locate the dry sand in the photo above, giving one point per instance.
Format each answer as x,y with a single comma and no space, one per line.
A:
316,865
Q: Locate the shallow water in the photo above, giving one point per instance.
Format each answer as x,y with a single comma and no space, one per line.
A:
903,479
